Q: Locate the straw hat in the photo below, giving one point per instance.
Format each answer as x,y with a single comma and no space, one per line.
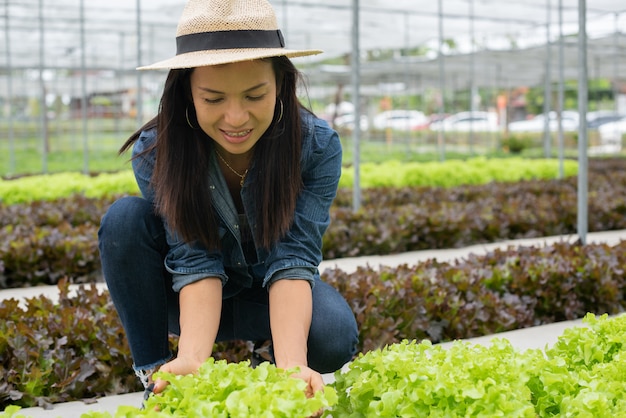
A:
212,32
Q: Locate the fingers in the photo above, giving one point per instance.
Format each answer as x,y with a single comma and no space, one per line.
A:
313,379
316,383
160,385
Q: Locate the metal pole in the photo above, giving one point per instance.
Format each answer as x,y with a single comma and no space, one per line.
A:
472,81
139,78
595,75
405,77
151,40
498,83
9,92
356,99
547,137
83,88
441,140
285,20
43,113
120,84
616,62
561,92
582,126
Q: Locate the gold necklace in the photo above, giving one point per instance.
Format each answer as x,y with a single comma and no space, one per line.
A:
241,176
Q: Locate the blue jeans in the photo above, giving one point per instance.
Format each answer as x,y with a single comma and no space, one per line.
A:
132,249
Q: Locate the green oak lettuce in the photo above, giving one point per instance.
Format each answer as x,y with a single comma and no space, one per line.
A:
222,389
582,375
415,380
451,173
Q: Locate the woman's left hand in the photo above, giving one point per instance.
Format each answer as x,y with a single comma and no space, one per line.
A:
312,378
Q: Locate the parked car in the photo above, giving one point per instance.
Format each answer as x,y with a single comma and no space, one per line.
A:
537,124
467,121
612,132
401,120
600,117
347,122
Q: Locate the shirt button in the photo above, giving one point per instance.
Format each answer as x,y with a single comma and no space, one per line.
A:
236,226
212,187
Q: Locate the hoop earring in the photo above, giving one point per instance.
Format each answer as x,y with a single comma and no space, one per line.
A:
280,115
187,117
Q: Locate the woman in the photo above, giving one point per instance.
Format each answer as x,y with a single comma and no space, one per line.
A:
237,179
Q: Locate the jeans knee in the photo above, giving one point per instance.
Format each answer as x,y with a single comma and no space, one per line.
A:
128,221
331,345
334,335
123,215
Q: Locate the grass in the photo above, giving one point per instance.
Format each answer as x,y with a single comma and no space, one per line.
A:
31,162
67,149
104,136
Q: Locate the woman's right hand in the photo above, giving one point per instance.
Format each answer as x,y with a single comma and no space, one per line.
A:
178,366
200,308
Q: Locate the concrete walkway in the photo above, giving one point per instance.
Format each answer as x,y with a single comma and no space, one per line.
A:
536,337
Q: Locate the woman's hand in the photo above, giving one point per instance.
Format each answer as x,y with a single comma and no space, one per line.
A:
200,308
178,366
290,319
314,383
312,378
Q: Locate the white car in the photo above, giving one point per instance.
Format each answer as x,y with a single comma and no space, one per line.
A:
569,120
400,120
347,122
611,133
468,121
598,118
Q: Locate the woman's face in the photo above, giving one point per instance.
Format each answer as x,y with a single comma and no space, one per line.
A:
234,102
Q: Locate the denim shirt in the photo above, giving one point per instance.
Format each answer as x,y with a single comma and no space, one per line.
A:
296,256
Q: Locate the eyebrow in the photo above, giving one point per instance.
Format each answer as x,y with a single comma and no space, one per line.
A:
208,90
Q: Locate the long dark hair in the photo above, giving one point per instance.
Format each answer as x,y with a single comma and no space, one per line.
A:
180,176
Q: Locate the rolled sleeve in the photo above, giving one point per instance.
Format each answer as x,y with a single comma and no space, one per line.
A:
299,253
191,263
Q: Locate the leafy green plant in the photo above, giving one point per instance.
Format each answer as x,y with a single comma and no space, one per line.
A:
222,389
12,411
455,172
413,380
54,186
584,372
388,174
515,144
582,375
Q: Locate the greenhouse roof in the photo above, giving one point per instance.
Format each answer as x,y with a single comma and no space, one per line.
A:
489,41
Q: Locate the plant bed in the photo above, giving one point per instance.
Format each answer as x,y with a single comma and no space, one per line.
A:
581,375
43,241
436,301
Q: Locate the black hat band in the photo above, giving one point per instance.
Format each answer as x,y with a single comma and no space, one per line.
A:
229,39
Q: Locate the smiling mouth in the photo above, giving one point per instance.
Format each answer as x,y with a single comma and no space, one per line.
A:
240,134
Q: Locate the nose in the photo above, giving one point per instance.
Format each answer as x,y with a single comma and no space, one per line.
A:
236,114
